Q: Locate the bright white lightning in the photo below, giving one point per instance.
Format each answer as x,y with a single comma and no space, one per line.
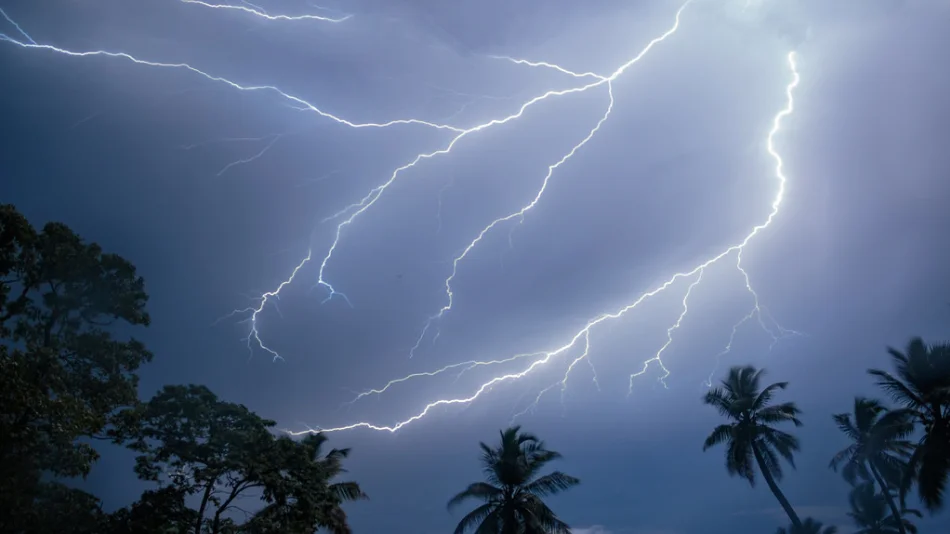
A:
370,199
251,9
669,338
304,105
450,296
17,26
466,366
696,271
365,203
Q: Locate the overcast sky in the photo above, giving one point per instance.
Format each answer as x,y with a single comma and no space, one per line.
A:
139,159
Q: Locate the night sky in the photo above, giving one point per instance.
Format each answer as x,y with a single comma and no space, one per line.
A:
160,165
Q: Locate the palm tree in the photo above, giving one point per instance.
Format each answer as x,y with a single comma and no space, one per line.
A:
878,450
809,526
312,497
749,434
512,496
870,513
922,386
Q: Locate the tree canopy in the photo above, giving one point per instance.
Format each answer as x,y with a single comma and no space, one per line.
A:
63,371
514,490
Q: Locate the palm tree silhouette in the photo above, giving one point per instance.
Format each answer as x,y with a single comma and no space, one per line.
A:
294,514
512,496
922,386
879,450
809,526
749,435
870,512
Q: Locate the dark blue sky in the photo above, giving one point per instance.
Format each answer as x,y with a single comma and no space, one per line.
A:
855,260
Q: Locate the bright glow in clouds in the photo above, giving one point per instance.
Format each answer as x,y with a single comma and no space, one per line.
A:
578,344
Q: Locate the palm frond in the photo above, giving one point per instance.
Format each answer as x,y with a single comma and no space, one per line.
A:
770,460
348,491
719,399
780,413
762,399
551,484
784,443
720,434
476,518
898,391
478,490
739,460
843,422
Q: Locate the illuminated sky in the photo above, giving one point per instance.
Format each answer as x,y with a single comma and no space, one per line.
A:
217,193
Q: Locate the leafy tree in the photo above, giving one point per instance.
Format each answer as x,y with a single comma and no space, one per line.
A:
313,501
749,435
922,386
63,374
221,452
59,508
514,491
879,450
161,511
808,526
872,512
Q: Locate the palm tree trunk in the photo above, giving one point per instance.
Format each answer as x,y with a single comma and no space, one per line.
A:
767,475
890,499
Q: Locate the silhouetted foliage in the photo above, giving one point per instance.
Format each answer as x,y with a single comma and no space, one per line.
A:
62,372
922,386
749,435
309,500
513,494
879,451
161,511
808,526
220,452
873,514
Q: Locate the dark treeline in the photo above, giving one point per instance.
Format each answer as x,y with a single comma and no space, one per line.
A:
67,381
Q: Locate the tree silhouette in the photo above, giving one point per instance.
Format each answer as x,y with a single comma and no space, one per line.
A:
219,451
314,502
879,450
63,371
514,491
749,434
808,526
872,512
922,386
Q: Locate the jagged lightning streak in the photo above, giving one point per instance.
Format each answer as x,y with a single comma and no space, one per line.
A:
365,203
450,296
466,366
370,199
669,337
17,26
249,159
585,331
251,9
304,105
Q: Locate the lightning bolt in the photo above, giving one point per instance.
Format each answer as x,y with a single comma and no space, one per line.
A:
346,217
600,80
548,356
252,9
17,26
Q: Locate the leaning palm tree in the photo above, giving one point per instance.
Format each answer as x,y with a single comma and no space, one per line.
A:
922,386
871,512
879,450
808,526
514,491
749,434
